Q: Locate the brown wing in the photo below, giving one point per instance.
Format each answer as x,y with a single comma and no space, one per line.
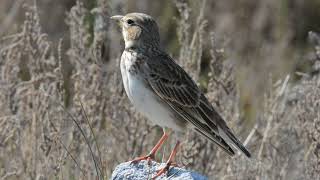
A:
172,83
179,91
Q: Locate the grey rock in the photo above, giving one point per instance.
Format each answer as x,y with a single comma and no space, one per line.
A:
142,170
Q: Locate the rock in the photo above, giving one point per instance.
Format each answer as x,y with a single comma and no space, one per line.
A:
142,170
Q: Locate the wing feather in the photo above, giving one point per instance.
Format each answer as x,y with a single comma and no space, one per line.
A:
203,129
171,83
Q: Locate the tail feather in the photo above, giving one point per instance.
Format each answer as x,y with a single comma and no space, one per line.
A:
229,135
218,125
219,141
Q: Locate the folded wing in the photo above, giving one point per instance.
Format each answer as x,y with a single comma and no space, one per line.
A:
171,83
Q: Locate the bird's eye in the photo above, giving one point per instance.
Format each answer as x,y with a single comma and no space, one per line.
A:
129,21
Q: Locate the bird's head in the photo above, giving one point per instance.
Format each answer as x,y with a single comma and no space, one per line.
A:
138,30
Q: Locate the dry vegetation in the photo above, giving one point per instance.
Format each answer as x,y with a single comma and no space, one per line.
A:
64,113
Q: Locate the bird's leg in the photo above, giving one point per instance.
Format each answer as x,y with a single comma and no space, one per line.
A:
152,153
169,161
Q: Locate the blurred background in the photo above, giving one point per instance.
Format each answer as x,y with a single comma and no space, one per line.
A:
64,113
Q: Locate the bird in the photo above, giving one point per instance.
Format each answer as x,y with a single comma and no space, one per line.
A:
163,91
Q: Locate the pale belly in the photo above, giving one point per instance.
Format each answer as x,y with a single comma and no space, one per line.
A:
146,102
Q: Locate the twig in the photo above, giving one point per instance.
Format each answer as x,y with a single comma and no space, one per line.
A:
81,131
9,174
73,159
94,137
250,135
85,138
271,118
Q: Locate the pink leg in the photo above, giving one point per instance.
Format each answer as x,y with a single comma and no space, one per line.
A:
169,162
154,150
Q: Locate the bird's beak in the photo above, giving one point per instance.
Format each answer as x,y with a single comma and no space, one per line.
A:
117,18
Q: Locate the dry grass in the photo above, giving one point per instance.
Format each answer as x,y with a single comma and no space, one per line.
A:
64,113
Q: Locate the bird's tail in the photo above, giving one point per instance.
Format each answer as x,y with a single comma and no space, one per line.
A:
230,137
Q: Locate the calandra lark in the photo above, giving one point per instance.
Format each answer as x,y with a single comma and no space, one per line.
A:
161,90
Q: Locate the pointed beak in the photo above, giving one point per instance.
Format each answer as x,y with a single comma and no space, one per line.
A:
117,18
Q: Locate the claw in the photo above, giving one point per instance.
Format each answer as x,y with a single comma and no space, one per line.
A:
148,158
162,171
169,162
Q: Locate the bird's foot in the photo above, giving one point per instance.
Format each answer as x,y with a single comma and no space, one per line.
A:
163,170
174,164
148,157
169,163
151,155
